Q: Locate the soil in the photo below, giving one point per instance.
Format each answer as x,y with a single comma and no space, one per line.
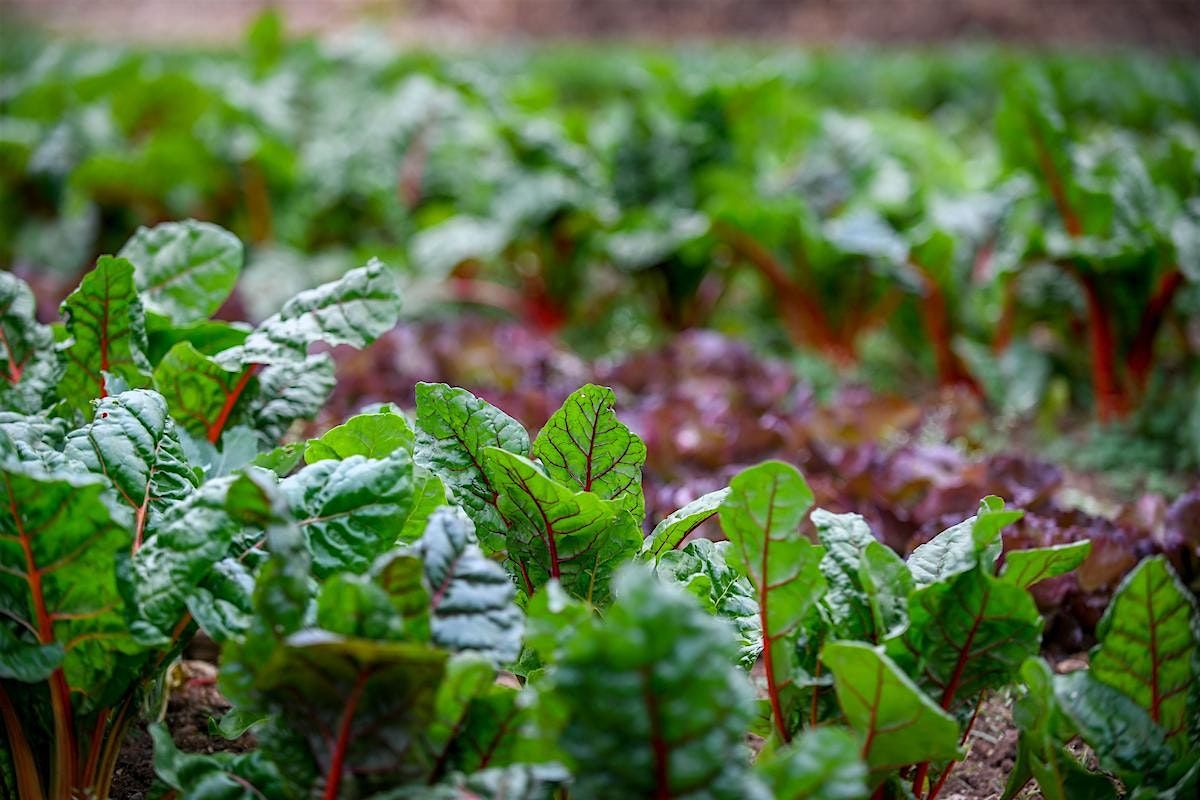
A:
193,702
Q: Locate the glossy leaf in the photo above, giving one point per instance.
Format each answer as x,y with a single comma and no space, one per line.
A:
1148,644
822,764
204,397
973,541
762,517
557,533
868,583
184,270
371,435
352,310
898,724
29,365
351,511
1024,568
453,429
702,568
131,441
583,445
471,597
674,709
105,321
62,554
674,528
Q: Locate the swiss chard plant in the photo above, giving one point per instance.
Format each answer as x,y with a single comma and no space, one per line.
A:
1136,705
120,427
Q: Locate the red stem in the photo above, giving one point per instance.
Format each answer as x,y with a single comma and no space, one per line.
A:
25,768
1110,403
658,743
1141,352
768,638
941,781
337,764
218,425
14,367
937,325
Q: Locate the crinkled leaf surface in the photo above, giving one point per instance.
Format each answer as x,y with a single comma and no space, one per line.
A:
868,583
351,511
352,310
957,549
967,633
184,270
205,397
674,528
1026,567
555,532
453,429
899,725
217,776
131,441
371,435
363,704
821,764
1148,644
702,569
471,596
105,321
655,707
585,446
61,554
29,366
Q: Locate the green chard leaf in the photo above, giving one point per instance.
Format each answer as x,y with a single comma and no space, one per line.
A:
357,707
1040,751
673,711
63,559
104,319
1149,637
973,541
453,429
371,435
351,511
353,310
762,517
554,532
471,596
184,270
132,442
822,764
868,583
219,776
585,446
702,568
967,633
1024,568
898,724
29,364
667,534
205,397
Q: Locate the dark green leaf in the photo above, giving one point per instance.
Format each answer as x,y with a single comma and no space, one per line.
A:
29,365
960,548
471,597
821,764
108,338
184,270
453,429
1148,645
868,583
351,511
675,527
583,445
132,442
672,710
554,532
